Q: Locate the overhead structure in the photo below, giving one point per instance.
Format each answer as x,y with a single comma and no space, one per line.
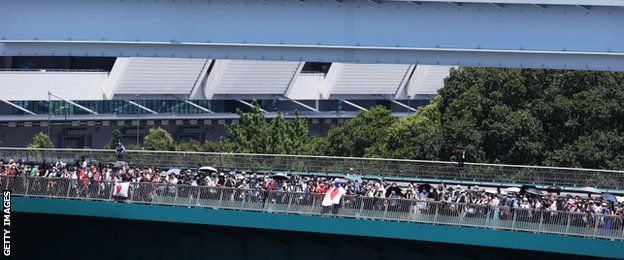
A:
347,79
154,76
354,105
141,107
566,34
18,107
50,94
251,78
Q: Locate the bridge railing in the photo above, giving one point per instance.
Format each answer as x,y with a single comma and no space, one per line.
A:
403,210
434,170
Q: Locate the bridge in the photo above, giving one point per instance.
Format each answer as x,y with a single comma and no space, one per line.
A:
500,33
449,223
571,179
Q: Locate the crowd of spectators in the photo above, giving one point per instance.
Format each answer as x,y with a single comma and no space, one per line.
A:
353,184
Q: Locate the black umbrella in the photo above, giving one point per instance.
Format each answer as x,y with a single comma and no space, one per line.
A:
537,192
554,189
280,176
396,190
425,186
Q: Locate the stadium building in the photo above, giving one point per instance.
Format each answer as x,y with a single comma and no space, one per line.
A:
79,101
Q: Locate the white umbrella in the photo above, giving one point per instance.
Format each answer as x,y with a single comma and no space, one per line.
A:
491,190
207,169
513,190
174,171
591,190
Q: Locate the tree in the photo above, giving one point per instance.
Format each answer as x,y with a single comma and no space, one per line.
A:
358,134
115,138
158,139
254,134
413,137
41,140
531,116
190,146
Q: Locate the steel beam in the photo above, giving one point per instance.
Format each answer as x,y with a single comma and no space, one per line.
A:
18,107
349,32
198,106
249,104
300,103
72,102
353,105
400,104
141,107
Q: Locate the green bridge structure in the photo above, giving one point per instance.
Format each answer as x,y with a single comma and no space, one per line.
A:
159,221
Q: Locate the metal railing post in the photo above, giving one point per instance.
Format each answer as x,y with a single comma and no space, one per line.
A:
313,202
515,215
289,201
70,186
220,197
198,195
567,224
361,207
622,227
175,197
110,190
267,200
541,220
385,204
27,186
132,190
244,193
435,216
595,224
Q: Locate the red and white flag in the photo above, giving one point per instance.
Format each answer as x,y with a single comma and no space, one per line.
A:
121,189
333,195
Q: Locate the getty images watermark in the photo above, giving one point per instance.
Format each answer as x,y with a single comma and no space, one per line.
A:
6,221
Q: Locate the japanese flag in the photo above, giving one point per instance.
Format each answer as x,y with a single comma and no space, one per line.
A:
121,189
333,195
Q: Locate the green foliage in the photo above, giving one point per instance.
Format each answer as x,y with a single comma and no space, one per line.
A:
254,134
115,138
527,116
413,137
134,147
191,146
158,139
209,146
358,134
41,140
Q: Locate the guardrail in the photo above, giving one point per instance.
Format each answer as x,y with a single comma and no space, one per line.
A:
325,164
505,218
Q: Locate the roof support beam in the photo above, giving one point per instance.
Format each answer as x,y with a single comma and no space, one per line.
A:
400,104
543,7
300,103
585,8
71,102
354,105
18,107
198,106
249,104
142,107
500,6
416,3
458,5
